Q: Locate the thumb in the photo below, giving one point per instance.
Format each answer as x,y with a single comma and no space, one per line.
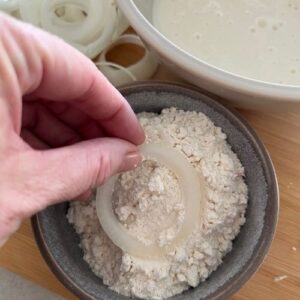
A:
65,173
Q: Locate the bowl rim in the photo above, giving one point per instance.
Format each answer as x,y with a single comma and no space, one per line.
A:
188,62
256,259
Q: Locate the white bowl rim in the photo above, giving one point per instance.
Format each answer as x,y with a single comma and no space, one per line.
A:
187,62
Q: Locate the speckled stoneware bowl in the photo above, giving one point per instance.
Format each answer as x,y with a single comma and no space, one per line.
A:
58,241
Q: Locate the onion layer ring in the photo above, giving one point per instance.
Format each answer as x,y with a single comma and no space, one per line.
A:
83,32
71,14
105,37
30,11
9,5
192,191
122,23
141,70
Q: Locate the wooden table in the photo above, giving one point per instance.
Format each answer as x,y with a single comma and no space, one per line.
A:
281,134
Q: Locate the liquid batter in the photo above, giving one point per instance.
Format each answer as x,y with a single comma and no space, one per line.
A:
258,39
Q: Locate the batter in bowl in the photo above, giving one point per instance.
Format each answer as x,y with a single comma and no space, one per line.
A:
258,39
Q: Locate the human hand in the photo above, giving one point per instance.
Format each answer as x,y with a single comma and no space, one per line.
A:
51,96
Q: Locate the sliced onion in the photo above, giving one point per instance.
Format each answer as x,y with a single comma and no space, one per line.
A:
141,70
118,67
88,25
84,32
70,14
9,5
103,40
60,12
16,14
121,24
30,11
192,191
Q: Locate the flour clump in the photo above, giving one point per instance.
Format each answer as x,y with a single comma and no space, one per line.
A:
148,203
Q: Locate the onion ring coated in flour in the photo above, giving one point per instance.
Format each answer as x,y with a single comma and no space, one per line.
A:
192,190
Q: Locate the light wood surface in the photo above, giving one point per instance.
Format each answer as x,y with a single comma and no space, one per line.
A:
281,134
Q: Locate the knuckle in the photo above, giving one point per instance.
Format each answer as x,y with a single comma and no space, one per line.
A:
104,168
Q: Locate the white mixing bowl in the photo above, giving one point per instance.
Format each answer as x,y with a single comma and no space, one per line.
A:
239,91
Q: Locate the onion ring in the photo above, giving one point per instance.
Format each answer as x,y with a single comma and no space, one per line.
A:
16,14
83,32
118,67
88,25
122,23
9,5
141,70
30,11
70,14
103,40
191,186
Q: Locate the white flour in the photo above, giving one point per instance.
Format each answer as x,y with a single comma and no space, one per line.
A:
147,202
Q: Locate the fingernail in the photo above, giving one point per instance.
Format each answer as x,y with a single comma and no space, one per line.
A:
142,136
131,161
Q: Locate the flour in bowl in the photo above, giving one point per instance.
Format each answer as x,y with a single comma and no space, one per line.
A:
147,202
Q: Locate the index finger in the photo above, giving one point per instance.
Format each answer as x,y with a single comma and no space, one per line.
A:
56,71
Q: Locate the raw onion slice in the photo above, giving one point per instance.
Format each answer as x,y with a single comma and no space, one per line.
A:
16,14
9,5
88,25
121,23
192,191
30,11
69,14
141,70
83,32
103,40
118,67
60,12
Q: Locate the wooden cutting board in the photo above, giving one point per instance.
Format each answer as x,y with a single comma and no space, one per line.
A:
281,134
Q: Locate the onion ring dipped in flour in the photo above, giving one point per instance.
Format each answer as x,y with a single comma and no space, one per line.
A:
192,192
141,70
9,5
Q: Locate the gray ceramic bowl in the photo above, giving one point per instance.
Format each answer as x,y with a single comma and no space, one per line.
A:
58,241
